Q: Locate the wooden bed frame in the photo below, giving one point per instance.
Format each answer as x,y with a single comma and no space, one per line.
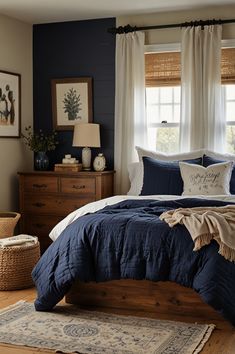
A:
142,295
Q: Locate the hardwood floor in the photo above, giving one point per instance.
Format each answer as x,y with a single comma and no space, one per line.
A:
222,340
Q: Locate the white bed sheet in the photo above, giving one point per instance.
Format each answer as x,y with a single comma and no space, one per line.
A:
100,204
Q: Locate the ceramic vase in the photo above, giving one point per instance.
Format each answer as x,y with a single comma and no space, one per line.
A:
41,162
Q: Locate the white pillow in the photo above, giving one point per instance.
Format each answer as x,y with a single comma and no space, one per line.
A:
211,180
136,176
171,157
218,156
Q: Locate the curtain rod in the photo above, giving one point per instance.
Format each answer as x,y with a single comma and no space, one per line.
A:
128,28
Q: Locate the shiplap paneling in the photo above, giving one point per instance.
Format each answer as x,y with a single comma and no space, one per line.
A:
75,49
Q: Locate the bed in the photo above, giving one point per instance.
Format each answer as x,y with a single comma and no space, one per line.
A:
118,253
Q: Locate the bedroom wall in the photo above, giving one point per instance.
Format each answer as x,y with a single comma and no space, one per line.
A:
15,56
173,35
75,49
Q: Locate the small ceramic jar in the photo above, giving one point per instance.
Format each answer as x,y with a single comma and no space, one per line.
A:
99,163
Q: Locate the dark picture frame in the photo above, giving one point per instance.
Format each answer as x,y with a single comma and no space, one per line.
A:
71,102
10,104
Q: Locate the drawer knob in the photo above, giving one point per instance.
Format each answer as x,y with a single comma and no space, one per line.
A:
38,205
79,187
35,185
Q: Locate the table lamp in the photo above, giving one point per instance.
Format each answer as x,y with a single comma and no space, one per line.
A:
86,135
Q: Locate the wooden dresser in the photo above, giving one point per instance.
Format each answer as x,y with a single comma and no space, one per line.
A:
47,197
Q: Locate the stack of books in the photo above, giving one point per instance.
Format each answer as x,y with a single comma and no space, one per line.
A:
72,167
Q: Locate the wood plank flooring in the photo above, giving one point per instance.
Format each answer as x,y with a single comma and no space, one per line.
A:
222,340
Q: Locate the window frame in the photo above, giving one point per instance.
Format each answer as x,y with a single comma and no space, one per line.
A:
228,43
228,122
163,48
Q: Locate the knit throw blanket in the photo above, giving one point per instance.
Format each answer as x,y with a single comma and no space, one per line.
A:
205,224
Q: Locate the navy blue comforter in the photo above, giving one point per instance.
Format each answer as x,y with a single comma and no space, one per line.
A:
128,241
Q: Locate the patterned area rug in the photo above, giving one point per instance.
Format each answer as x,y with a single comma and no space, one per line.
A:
69,329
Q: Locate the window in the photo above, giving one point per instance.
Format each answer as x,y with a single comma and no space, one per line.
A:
228,94
162,73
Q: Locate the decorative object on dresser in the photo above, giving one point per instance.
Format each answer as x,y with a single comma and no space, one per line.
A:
41,161
86,136
64,167
99,163
69,159
40,143
47,197
69,163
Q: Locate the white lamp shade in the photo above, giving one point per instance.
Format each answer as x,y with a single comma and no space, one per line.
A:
86,135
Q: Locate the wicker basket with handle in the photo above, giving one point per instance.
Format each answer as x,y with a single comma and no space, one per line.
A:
8,221
16,265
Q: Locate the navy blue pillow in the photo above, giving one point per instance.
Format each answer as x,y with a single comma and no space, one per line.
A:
207,161
163,177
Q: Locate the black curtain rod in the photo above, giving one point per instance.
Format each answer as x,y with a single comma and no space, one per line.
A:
128,28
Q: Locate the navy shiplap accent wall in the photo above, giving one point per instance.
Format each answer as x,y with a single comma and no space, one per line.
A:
75,49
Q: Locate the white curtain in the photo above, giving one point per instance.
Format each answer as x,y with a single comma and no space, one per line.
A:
202,123
130,122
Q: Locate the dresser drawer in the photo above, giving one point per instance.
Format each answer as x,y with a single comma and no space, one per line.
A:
78,185
71,204
40,184
49,204
40,225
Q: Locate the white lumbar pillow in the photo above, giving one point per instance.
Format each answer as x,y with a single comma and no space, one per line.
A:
219,156
211,180
168,157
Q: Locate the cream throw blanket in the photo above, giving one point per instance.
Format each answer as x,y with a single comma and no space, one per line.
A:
205,224
18,240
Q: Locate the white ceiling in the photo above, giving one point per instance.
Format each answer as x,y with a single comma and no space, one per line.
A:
42,11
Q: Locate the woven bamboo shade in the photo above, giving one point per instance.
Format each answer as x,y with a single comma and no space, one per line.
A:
228,66
162,69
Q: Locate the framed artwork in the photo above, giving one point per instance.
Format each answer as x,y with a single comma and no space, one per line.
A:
71,102
10,105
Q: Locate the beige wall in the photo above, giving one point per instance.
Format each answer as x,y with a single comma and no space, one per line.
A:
15,56
173,35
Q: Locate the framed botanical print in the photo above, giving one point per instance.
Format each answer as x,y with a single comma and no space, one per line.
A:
71,102
10,104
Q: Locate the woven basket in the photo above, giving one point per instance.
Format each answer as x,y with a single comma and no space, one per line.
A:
8,223
16,265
